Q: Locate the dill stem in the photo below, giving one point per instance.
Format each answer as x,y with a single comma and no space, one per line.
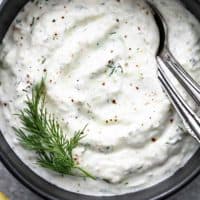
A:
87,174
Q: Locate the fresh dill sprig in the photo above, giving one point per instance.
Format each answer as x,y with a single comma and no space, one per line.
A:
41,132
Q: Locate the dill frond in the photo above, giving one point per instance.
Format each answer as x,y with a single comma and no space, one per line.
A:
41,132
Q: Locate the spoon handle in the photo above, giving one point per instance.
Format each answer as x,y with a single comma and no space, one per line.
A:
190,85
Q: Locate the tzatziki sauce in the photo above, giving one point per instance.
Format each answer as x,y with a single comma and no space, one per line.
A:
98,57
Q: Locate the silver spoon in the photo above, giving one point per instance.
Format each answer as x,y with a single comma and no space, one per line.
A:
165,57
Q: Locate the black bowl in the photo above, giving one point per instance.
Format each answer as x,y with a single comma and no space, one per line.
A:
8,10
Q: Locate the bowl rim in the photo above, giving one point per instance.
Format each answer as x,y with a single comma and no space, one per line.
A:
49,191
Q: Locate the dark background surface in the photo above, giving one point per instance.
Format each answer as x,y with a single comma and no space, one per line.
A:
16,191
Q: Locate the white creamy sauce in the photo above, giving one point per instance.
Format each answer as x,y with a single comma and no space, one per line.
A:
98,57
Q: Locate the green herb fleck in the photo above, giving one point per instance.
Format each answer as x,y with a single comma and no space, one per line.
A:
33,21
112,33
114,67
43,60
